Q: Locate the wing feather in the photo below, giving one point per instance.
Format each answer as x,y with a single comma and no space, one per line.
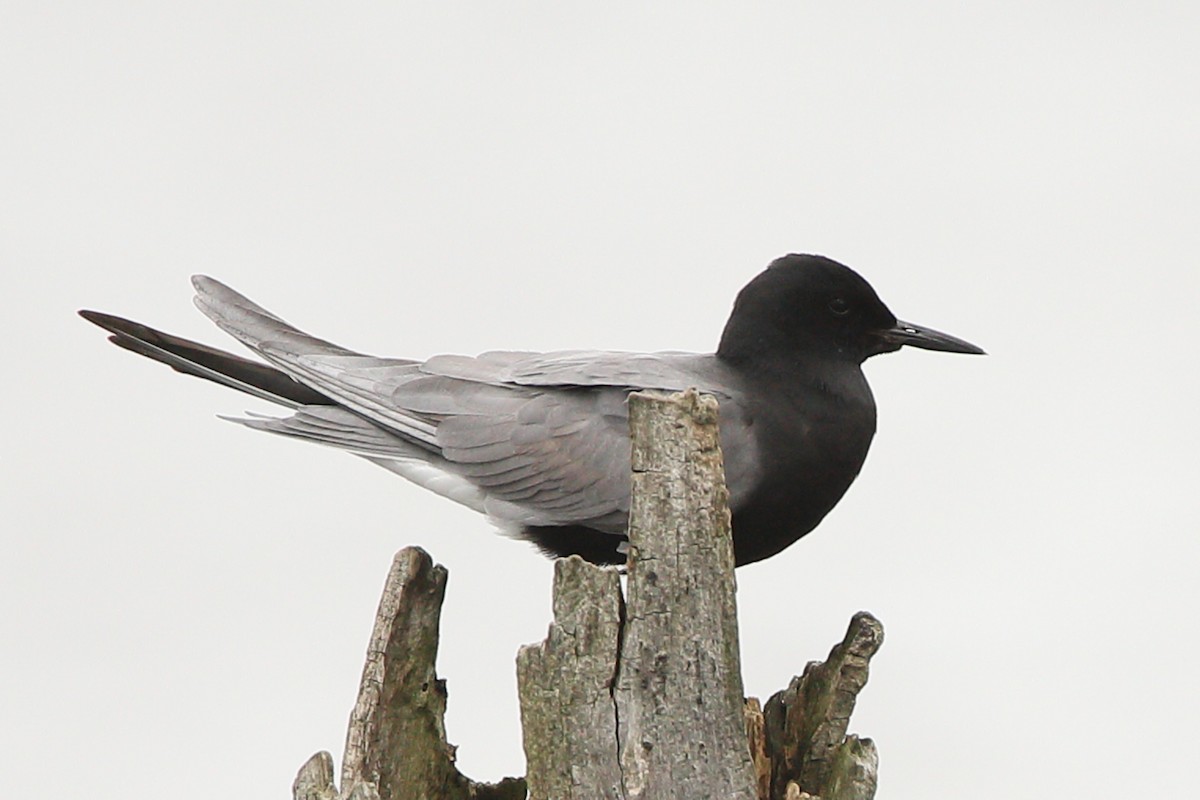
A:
529,438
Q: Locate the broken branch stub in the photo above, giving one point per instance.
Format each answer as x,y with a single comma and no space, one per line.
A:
396,745
396,737
806,723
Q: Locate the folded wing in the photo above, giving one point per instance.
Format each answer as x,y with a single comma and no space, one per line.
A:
530,439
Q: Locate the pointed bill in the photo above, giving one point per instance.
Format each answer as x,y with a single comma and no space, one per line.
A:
905,333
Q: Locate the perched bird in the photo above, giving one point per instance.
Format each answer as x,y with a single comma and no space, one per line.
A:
539,442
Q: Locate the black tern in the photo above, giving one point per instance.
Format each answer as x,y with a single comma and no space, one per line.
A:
539,442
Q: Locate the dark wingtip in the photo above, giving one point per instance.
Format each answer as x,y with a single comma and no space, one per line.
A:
117,325
125,332
97,318
202,361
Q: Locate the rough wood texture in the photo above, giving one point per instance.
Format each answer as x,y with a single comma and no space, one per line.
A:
756,733
652,702
679,684
567,713
806,723
396,740
396,744
315,779
855,770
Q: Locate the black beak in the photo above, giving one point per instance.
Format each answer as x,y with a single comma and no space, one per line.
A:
903,333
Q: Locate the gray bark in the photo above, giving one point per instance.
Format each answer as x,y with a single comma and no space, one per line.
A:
396,740
568,718
655,699
315,779
679,692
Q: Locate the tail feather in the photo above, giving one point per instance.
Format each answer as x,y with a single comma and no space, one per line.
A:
192,358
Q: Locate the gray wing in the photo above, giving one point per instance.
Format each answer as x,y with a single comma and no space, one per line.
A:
671,371
530,439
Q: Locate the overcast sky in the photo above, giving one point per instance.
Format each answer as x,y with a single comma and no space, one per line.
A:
186,603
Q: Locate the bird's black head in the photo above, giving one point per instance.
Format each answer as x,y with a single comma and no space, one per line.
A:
806,307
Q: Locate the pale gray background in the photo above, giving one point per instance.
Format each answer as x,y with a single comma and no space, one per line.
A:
185,603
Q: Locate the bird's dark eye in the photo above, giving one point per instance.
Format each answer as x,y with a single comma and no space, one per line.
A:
839,306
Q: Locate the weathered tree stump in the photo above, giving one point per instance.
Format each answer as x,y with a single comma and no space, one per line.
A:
632,696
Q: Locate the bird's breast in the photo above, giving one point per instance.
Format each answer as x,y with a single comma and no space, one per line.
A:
808,446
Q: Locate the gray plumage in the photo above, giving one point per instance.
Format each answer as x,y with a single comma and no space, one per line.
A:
526,438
